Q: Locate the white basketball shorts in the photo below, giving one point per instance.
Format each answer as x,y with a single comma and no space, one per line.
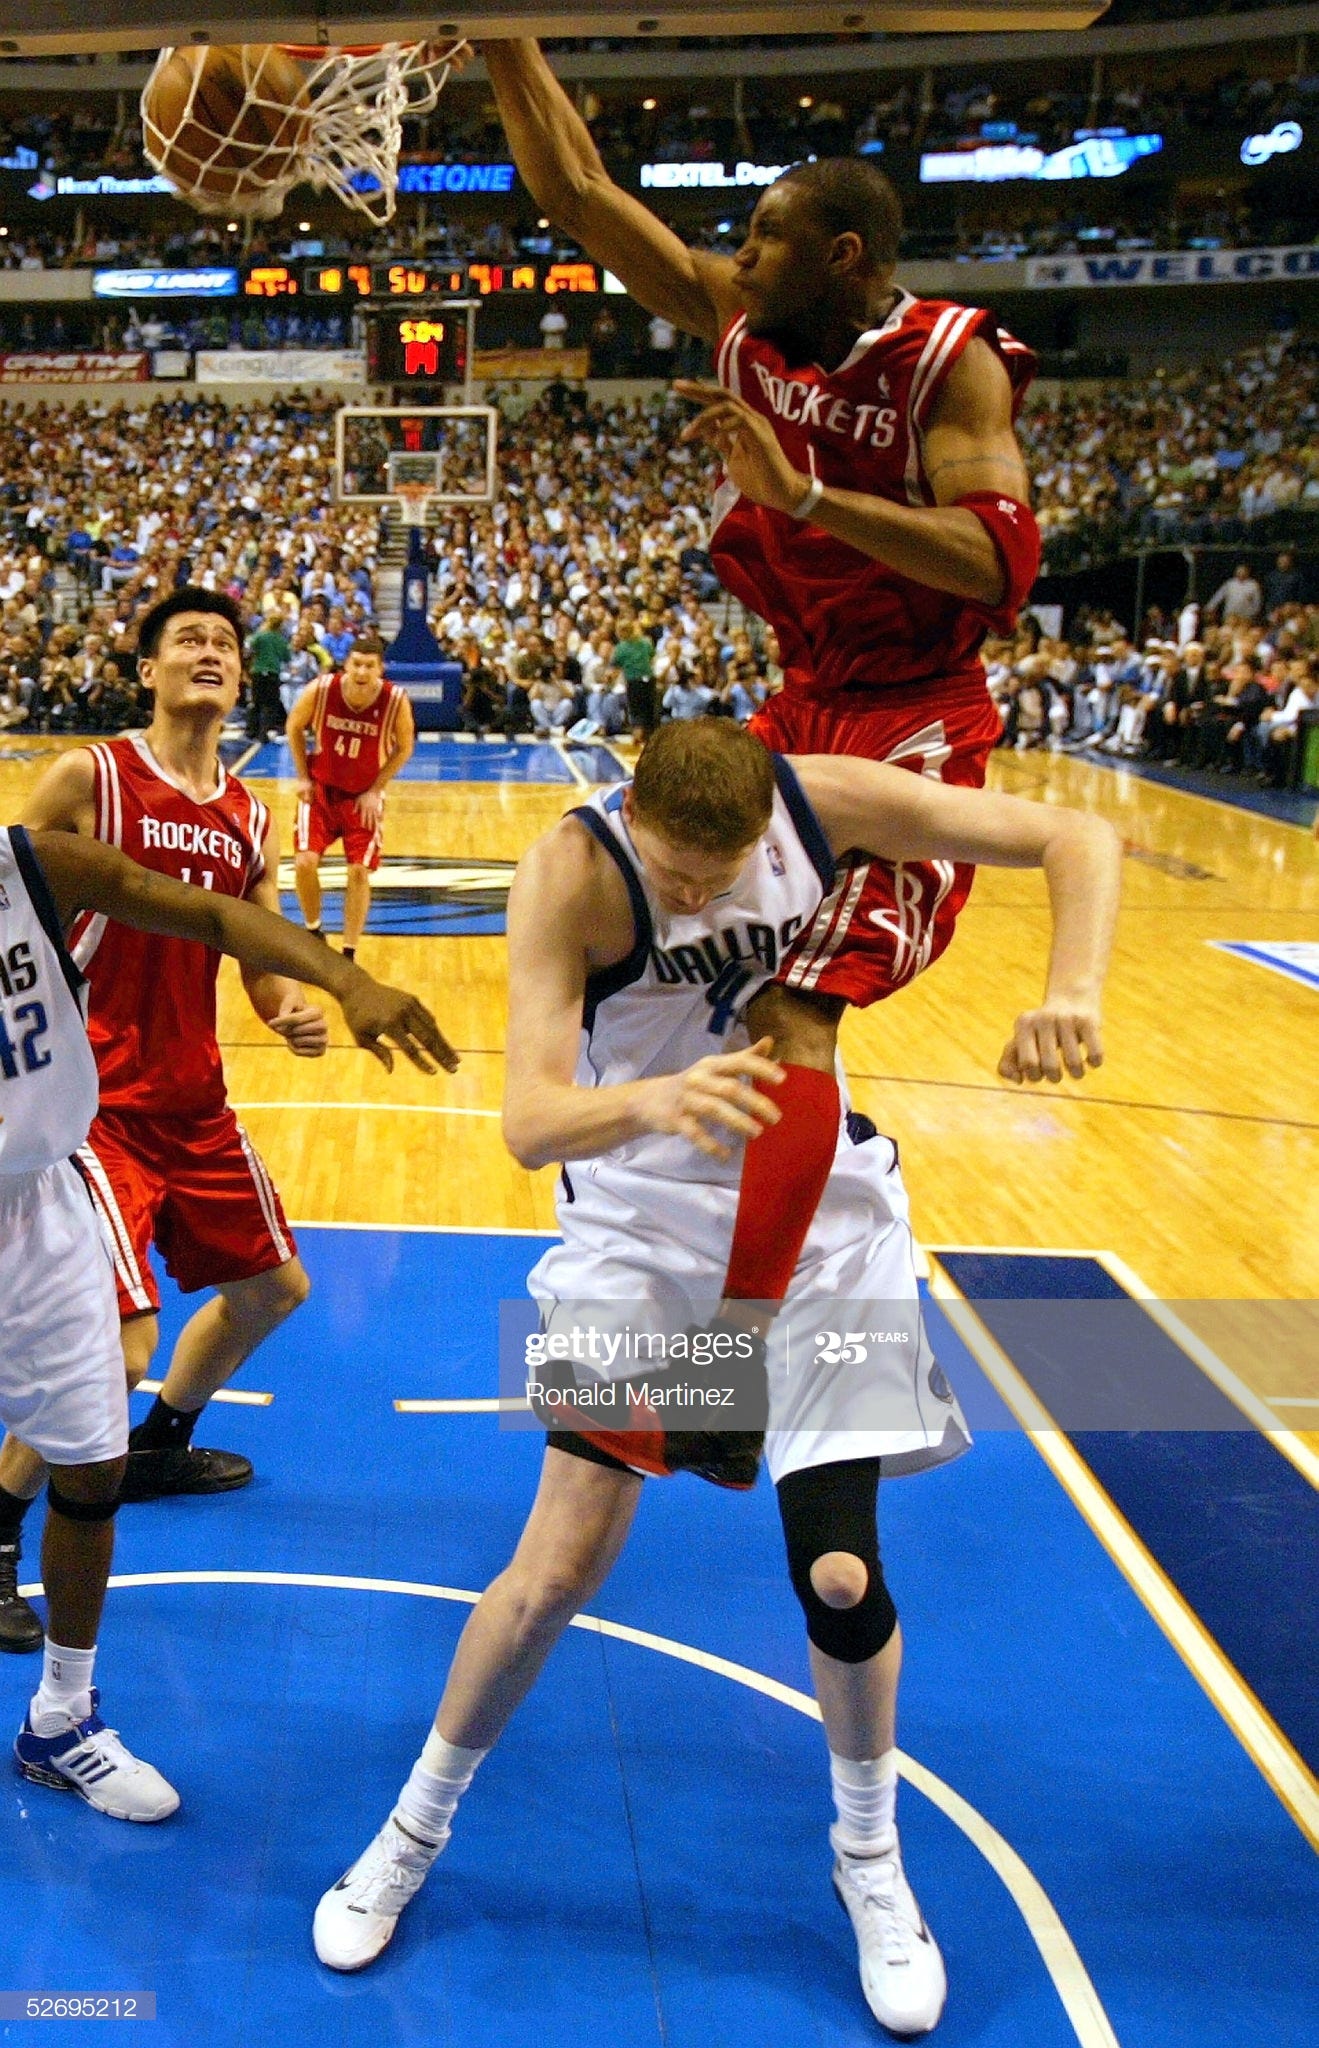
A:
851,1372
62,1387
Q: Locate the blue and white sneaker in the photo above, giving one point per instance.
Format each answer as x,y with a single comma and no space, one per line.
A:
88,1758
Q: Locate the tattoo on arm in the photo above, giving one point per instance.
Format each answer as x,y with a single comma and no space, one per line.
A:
1011,463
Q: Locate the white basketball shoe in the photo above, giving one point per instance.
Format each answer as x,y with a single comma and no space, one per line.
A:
902,1972
355,1920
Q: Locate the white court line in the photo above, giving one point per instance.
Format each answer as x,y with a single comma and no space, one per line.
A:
1259,1735
577,772
1211,1365
1291,1400
238,1396
385,1109
1253,1406
1071,1980
503,1406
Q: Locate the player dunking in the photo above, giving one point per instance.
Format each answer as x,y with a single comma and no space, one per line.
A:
167,1160
364,733
642,1077
61,1362
873,509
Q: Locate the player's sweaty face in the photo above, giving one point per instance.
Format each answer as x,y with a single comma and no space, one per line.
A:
199,661
781,275
684,878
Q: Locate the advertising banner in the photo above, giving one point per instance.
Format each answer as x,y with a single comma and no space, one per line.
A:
490,363
74,368
281,366
1172,266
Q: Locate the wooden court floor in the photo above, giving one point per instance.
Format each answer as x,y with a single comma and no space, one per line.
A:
1193,1155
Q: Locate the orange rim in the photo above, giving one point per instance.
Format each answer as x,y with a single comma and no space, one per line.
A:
312,53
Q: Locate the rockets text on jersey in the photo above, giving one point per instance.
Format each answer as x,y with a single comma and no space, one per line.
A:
352,744
843,619
151,1017
47,1072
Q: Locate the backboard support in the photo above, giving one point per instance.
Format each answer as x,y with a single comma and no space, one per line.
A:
451,448
48,27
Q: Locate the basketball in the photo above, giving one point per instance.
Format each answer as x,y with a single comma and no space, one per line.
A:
227,122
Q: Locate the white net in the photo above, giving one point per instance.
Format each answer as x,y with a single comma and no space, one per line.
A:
332,119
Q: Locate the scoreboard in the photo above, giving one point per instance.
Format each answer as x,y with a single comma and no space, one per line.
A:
409,280
418,348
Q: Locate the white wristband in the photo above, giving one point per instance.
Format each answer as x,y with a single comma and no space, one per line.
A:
807,505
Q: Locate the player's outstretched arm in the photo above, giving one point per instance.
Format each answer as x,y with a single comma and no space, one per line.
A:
906,817
568,913
82,874
562,166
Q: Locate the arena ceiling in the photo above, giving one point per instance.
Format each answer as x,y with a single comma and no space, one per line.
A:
43,28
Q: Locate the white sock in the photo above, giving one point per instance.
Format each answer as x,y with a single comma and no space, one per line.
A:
440,1776
865,1795
65,1689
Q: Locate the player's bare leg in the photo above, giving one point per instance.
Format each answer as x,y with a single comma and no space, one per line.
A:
63,1742
211,1346
573,1535
356,905
307,880
22,1476
902,1972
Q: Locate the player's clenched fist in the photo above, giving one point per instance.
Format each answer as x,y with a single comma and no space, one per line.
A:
716,1099
1058,1037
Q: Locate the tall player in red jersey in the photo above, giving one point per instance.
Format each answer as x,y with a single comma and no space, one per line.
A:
364,733
167,1160
873,509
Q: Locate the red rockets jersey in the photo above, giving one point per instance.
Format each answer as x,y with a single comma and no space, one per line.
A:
151,1013
844,620
351,745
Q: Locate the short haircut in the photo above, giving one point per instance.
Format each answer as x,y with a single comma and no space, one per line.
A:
704,783
367,643
850,195
190,598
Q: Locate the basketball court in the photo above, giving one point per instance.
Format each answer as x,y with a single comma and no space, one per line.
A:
1110,1740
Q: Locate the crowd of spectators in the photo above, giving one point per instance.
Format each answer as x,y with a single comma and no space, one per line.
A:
575,603
1220,687
579,602
1219,454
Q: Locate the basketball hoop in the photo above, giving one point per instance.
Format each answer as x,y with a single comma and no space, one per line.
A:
414,497
341,134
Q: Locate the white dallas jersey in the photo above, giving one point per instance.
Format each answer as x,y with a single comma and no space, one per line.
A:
682,992
48,1086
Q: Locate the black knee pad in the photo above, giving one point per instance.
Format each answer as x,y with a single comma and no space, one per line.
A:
80,1510
827,1508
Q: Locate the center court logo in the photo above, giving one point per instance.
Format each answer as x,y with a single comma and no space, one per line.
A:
423,898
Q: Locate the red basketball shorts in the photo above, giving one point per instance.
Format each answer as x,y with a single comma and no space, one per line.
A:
333,814
882,924
196,1187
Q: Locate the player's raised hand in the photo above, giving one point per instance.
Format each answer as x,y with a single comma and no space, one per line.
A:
746,444
373,1011
302,1027
717,1099
1060,1036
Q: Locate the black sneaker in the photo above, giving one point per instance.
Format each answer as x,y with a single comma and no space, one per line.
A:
20,1625
726,1457
152,1475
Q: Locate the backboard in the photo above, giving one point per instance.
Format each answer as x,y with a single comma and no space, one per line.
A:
379,447
47,27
